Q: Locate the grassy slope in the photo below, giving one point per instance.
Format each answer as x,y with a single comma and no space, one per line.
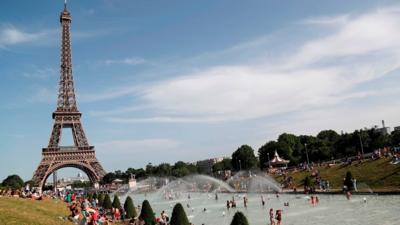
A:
378,175
28,212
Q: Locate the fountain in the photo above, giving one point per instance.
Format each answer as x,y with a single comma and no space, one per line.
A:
199,192
258,182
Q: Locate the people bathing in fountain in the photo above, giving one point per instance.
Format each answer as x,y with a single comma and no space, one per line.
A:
286,204
262,201
271,216
278,216
228,205
245,200
348,195
314,200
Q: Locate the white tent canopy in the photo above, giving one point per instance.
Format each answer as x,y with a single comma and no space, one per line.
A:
278,160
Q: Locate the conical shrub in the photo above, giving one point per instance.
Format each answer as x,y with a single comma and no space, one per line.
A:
147,214
89,196
101,199
95,195
107,202
179,216
239,219
129,208
116,203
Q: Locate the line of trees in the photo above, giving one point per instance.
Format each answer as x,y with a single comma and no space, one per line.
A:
326,145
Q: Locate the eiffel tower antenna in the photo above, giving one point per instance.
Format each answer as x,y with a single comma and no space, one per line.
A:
80,155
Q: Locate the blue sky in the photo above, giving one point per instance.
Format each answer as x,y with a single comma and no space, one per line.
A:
162,81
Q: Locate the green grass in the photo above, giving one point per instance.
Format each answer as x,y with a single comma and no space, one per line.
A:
16,211
378,175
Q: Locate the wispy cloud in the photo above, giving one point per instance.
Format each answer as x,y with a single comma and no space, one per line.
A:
322,71
40,73
126,61
329,20
10,35
43,95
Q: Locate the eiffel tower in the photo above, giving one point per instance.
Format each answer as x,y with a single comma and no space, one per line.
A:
67,115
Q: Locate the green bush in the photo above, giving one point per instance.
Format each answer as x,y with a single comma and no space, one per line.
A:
107,202
179,216
101,199
239,219
89,196
147,213
13,182
116,203
129,208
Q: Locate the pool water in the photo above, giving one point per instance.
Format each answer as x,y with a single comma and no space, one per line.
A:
331,210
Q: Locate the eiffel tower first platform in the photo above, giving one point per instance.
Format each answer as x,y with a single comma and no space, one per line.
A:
81,155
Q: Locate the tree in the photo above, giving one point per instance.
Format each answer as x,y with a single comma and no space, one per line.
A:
239,219
116,203
395,138
95,196
149,169
348,181
179,216
290,147
107,202
162,170
225,164
13,182
243,158
307,184
129,208
101,199
108,178
147,213
266,152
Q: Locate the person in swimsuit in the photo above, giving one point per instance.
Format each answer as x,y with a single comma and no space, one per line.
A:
278,217
271,216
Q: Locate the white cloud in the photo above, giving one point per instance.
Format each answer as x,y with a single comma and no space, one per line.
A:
126,61
10,35
40,73
323,71
43,95
329,20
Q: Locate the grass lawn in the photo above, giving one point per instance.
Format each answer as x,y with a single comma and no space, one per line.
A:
378,175
26,212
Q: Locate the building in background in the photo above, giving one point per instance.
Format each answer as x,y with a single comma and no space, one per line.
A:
205,166
383,130
397,128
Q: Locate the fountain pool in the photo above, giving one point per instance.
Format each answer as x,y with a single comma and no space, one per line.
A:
332,209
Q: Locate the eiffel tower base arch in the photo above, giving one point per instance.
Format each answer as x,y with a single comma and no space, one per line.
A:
55,160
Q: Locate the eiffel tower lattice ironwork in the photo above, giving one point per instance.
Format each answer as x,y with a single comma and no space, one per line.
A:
67,115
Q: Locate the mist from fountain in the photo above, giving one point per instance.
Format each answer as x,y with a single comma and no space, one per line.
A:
254,182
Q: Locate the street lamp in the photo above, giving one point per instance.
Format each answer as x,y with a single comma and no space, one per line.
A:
240,165
308,162
361,144
269,163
